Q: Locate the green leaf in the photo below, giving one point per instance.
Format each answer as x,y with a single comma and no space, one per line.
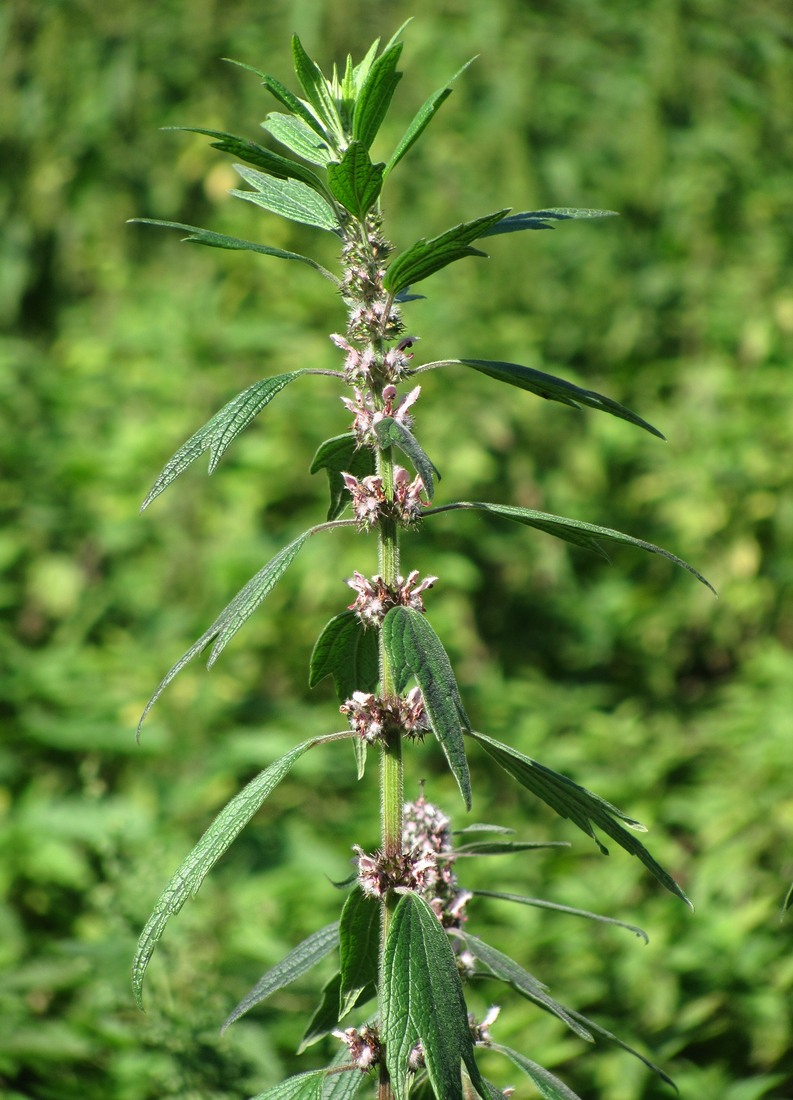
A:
361,70
220,240
414,649
221,431
298,962
505,847
538,903
481,827
582,807
788,902
359,949
354,181
316,88
348,653
252,153
374,98
576,531
507,970
337,455
295,106
547,386
421,120
289,198
340,1080
602,1031
548,1086
295,135
234,615
326,1017
303,1086
538,219
422,999
390,433
216,840
426,257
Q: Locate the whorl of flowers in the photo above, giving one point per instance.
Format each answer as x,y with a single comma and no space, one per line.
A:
374,598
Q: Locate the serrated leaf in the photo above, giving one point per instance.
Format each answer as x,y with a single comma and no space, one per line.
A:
220,240
298,962
422,999
216,840
391,433
354,181
538,903
414,649
316,87
233,616
289,198
337,455
538,219
505,847
582,807
340,1080
507,970
303,1086
326,1017
375,95
548,1086
361,70
295,106
576,531
426,257
359,948
547,386
295,135
421,120
348,653
258,155
219,432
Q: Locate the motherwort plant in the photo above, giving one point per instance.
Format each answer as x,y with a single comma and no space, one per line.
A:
404,948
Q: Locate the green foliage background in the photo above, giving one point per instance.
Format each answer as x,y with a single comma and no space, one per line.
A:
118,341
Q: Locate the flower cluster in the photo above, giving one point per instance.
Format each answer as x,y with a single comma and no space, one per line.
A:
407,496
379,874
369,500
426,836
366,415
374,598
372,717
364,1046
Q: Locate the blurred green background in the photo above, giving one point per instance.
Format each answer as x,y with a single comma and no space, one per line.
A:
118,341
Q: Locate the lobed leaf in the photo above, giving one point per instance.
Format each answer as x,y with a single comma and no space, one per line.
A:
316,88
576,531
421,120
289,198
547,386
375,95
258,155
337,455
216,840
391,433
426,257
422,1000
548,1086
538,219
221,431
298,962
220,240
582,807
296,135
507,970
414,649
233,616
354,181
538,903
359,949
348,653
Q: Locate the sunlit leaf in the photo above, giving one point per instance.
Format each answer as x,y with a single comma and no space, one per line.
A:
538,219
426,257
337,455
375,95
287,197
422,999
295,106
414,649
421,120
548,1086
505,847
538,903
219,432
296,135
298,962
258,155
547,386
354,181
316,87
221,833
348,653
576,531
391,433
582,807
359,948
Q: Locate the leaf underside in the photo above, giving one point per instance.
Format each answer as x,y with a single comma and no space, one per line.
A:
538,219
426,257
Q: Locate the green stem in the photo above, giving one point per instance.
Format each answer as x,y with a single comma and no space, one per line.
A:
391,770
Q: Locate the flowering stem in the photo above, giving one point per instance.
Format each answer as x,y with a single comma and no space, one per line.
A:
391,777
